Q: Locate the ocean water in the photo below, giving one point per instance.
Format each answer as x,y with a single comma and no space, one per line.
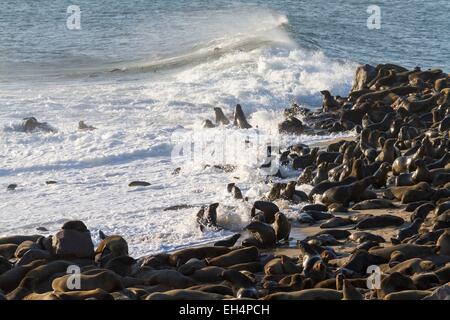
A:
141,71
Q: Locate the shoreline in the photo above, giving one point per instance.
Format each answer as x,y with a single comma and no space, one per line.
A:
397,161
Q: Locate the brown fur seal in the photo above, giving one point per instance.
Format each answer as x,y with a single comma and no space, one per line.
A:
422,211
393,283
220,117
182,256
408,250
329,102
389,152
282,265
347,194
308,294
443,243
381,175
262,232
184,294
207,217
235,257
31,124
408,231
399,192
239,118
306,176
111,247
282,227
374,204
139,184
350,292
268,208
409,295
382,221
96,279
229,242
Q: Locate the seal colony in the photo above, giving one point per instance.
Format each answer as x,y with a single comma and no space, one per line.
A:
379,201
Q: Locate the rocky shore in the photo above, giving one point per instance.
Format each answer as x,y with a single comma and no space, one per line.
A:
375,225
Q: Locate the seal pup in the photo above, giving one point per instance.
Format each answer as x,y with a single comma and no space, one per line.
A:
239,118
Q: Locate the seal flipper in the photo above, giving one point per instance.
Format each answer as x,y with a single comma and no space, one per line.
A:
239,118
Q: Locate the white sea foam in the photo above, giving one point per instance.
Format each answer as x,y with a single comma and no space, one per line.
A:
136,115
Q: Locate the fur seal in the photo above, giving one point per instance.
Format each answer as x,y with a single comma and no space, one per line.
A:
220,117
139,184
381,175
329,102
31,124
408,231
282,227
180,257
96,279
306,176
389,152
374,204
229,242
362,236
264,233
336,222
393,283
307,294
291,125
235,191
422,211
347,194
111,247
443,243
336,233
409,295
321,175
239,118
235,257
184,294
408,250
268,208
207,217
382,221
